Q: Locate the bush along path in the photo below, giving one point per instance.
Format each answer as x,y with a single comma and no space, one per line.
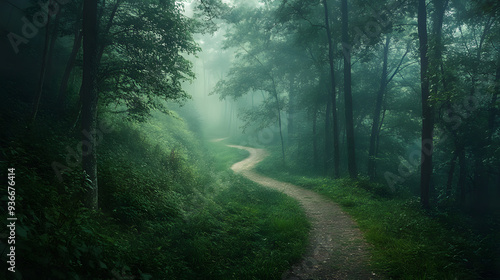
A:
336,247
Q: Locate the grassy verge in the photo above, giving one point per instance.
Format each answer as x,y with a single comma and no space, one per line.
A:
170,209
408,243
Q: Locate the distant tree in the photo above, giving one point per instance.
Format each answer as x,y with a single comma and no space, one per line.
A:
346,46
427,114
256,68
333,96
378,110
89,98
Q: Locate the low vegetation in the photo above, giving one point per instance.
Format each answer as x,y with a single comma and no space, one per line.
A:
170,209
407,242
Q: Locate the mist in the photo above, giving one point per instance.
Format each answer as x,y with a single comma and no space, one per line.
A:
231,139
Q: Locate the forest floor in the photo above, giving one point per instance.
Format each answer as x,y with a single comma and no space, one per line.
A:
336,247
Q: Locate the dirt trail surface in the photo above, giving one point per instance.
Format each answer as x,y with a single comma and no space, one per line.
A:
336,247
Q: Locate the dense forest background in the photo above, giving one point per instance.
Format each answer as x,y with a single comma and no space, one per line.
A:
390,108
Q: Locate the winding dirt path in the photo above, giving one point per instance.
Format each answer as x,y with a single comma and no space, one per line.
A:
336,247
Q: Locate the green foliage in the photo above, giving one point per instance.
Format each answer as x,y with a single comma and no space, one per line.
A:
408,243
143,62
170,209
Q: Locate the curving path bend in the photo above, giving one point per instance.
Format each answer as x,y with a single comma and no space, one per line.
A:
336,247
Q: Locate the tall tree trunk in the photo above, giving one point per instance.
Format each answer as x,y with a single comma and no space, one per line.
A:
351,149
53,39
436,67
333,97
377,141
278,107
315,137
100,42
41,79
482,173
427,114
451,171
69,67
462,175
291,113
102,45
493,110
280,128
481,179
229,127
328,139
376,115
89,99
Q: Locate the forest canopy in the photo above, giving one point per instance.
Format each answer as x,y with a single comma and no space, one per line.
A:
116,115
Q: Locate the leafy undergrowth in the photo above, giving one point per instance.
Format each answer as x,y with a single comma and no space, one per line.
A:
170,209
407,242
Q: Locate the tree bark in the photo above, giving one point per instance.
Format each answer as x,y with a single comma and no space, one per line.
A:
279,120
493,111
351,149
53,40
449,182
281,130
377,141
427,114
102,44
89,99
77,42
69,67
315,137
436,67
291,112
41,79
462,175
333,97
328,139
376,115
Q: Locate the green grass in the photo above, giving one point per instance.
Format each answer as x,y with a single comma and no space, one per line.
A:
201,220
225,156
170,209
408,243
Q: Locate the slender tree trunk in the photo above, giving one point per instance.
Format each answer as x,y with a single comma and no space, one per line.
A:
480,185
53,39
333,97
449,182
493,111
291,113
377,141
41,79
69,67
279,124
328,138
100,42
315,137
89,98
229,127
480,178
462,175
351,149
376,115
427,114
102,45
278,107
435,54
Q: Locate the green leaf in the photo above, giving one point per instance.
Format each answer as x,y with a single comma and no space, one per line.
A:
21,231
